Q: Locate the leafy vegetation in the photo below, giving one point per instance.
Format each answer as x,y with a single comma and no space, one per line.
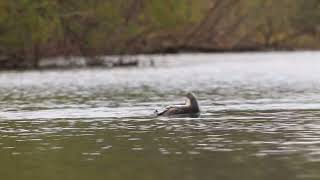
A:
32,29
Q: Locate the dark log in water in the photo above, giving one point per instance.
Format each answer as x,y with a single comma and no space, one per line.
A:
14,63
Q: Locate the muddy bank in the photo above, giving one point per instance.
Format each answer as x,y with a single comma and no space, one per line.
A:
75,59
9,63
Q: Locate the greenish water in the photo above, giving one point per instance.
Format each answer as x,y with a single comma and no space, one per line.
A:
260,120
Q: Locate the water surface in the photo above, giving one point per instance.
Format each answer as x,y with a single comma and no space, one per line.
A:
260,120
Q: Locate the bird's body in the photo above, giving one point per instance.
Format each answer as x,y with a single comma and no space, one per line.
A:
189,109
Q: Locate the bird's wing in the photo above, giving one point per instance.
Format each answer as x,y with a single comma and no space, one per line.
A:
170,110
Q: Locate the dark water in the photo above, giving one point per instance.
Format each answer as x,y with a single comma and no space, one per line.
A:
260,120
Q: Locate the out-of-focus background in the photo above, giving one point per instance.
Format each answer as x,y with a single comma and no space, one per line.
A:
31,30
80,80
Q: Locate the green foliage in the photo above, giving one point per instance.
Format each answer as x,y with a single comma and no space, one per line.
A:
308,15
168,13
27,23
28,26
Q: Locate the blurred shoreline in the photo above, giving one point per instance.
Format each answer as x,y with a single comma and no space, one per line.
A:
31,31
119,61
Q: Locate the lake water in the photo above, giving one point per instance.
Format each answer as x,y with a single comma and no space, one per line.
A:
260,120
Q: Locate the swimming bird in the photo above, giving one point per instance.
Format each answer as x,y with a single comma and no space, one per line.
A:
189,109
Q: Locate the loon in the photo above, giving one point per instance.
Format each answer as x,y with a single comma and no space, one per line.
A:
189,109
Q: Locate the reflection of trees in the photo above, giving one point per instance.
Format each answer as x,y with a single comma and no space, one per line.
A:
78,159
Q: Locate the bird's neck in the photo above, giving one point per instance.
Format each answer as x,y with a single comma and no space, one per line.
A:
191,102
